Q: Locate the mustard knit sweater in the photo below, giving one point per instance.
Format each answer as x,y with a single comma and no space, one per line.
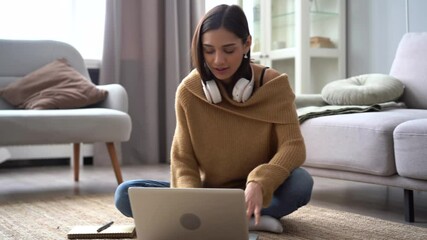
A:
230,144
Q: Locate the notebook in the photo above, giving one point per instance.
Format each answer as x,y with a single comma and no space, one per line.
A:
189,214
90,232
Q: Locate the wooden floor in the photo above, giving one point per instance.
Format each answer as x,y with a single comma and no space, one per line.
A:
47,182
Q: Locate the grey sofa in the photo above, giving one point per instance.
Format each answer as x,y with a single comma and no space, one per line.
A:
106,121
387,147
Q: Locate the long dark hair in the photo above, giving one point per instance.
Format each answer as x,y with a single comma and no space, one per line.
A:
232,18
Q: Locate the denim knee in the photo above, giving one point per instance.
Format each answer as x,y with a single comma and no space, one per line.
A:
305,185
121,199
294,193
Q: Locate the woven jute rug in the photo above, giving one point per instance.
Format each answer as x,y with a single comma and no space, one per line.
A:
52,219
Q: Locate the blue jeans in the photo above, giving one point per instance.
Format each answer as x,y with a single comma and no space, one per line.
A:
295,192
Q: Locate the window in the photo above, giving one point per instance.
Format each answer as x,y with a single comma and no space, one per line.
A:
77,22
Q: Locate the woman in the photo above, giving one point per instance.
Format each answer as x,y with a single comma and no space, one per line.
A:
236,126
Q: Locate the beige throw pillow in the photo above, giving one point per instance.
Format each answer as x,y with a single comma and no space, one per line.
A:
364,89
53,86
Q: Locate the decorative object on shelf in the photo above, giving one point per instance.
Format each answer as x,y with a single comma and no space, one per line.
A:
321,42
257,13
313,6
279,44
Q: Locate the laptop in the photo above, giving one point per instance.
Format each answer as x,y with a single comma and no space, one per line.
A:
189,214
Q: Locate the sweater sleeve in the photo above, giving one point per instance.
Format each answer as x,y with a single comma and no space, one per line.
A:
289,155
184,166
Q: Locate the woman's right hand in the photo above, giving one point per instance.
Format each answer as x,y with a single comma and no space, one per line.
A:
253,198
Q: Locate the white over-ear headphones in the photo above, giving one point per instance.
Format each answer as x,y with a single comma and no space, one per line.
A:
241,92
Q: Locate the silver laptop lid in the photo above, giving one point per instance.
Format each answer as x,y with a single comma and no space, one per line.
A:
189,213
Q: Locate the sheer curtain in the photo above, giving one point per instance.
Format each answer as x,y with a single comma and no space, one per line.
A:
147,50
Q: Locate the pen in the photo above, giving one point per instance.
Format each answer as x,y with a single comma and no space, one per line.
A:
105,226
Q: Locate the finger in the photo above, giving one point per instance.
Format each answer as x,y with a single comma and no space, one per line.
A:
257,214
249,211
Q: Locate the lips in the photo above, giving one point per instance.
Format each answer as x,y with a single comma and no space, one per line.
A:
221,71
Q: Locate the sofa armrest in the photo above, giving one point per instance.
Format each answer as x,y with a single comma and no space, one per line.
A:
117,97
305,100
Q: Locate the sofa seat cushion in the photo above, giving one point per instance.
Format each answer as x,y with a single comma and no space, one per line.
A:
410,141
86,125
359,142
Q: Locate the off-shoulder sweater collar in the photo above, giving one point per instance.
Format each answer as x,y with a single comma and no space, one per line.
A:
273,102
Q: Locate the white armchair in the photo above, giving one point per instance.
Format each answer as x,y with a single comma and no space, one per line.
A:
106,121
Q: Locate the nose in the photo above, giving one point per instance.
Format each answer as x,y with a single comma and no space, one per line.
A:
219,58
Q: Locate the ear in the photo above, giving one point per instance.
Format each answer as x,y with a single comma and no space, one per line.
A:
248,43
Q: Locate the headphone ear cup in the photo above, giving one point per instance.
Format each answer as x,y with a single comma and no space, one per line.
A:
212,92
242,90
247,92
207,94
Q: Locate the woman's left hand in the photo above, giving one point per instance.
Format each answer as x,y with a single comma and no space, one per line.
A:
253,197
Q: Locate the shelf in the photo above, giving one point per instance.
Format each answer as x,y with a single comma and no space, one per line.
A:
288,19
289,53
284,53
323,16
324,52
283,30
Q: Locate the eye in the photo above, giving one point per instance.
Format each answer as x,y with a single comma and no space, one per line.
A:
208,50
229,50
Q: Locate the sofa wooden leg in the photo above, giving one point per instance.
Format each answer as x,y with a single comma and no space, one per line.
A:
409,205
115,162
76,160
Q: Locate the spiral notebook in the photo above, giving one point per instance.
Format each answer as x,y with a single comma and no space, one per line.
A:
89,232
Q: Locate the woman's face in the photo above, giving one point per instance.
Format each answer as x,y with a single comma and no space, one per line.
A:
223,52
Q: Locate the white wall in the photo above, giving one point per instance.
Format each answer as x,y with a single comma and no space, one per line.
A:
417,15
374,29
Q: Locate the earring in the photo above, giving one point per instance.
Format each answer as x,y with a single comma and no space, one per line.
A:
245,56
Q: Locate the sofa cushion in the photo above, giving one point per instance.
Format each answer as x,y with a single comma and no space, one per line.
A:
359,142
409,66
364,89
88,125
53,86
410,141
